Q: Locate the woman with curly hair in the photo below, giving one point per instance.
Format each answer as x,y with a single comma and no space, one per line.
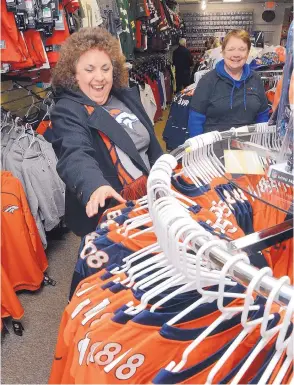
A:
103,138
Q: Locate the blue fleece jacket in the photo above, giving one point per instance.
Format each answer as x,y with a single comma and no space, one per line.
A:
197,120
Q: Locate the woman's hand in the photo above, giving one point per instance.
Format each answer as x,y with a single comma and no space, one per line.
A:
98,199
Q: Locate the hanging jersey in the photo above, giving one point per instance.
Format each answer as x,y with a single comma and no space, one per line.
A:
84,312
197,374
23,257
10,304
138,363
141,333
114,253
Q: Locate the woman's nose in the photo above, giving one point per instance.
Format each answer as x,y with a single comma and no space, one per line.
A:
99,75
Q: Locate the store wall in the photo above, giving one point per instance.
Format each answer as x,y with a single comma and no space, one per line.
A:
272,30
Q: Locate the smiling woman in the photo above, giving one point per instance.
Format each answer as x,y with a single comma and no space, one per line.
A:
231,95
103,138
94,74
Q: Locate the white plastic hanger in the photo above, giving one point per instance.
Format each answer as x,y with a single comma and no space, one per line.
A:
228,313
286,364
272,364
268,335
248,326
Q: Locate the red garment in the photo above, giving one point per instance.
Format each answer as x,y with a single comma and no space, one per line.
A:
23,257
71,5
155,90
138,34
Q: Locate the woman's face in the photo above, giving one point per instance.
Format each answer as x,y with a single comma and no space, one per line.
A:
235,54
94,74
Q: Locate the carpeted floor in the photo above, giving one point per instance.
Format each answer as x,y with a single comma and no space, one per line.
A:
27,359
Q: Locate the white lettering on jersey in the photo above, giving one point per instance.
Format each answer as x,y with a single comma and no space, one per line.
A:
97,260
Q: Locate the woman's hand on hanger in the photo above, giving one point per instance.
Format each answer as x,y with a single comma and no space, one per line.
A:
98,197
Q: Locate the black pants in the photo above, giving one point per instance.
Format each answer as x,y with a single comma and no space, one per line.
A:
182,80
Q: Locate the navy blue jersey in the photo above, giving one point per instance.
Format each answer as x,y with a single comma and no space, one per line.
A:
176,129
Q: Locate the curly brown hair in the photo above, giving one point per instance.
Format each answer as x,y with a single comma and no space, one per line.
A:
63,75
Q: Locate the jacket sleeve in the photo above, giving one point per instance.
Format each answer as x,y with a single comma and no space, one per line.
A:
263,117
195,123
72,143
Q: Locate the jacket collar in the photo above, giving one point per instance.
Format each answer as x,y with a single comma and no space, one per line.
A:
102,121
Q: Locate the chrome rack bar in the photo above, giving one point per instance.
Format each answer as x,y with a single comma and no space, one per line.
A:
230,134
263,239
241,272
260,150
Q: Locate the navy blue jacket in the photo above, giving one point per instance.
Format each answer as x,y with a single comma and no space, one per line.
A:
84,163
220,102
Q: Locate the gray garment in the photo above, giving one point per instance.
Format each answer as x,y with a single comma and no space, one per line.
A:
44,189
132,126
8,140
14,158
110,15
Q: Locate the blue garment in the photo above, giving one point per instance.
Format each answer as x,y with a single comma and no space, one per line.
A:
161,95
220,69
221,102
176,130
263,117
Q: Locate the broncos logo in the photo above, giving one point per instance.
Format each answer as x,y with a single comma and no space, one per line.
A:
10,209
124,118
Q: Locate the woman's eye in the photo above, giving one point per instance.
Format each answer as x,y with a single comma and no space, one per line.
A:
105,69
89,70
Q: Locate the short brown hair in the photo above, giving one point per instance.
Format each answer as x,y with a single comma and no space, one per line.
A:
64,73
240,34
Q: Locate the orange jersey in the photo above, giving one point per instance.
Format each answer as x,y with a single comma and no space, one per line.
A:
198,373
93,282
105,302
141,363
282,259
135,339
23,257
10,304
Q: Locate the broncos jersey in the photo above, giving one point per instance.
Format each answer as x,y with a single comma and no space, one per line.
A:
10,304
144,326
139,363
83,313
206,197
197,374
119,247
23,256
244,219
102,329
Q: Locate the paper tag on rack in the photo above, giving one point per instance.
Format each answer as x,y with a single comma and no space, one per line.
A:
242,162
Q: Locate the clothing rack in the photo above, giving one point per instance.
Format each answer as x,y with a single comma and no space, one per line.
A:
241,272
